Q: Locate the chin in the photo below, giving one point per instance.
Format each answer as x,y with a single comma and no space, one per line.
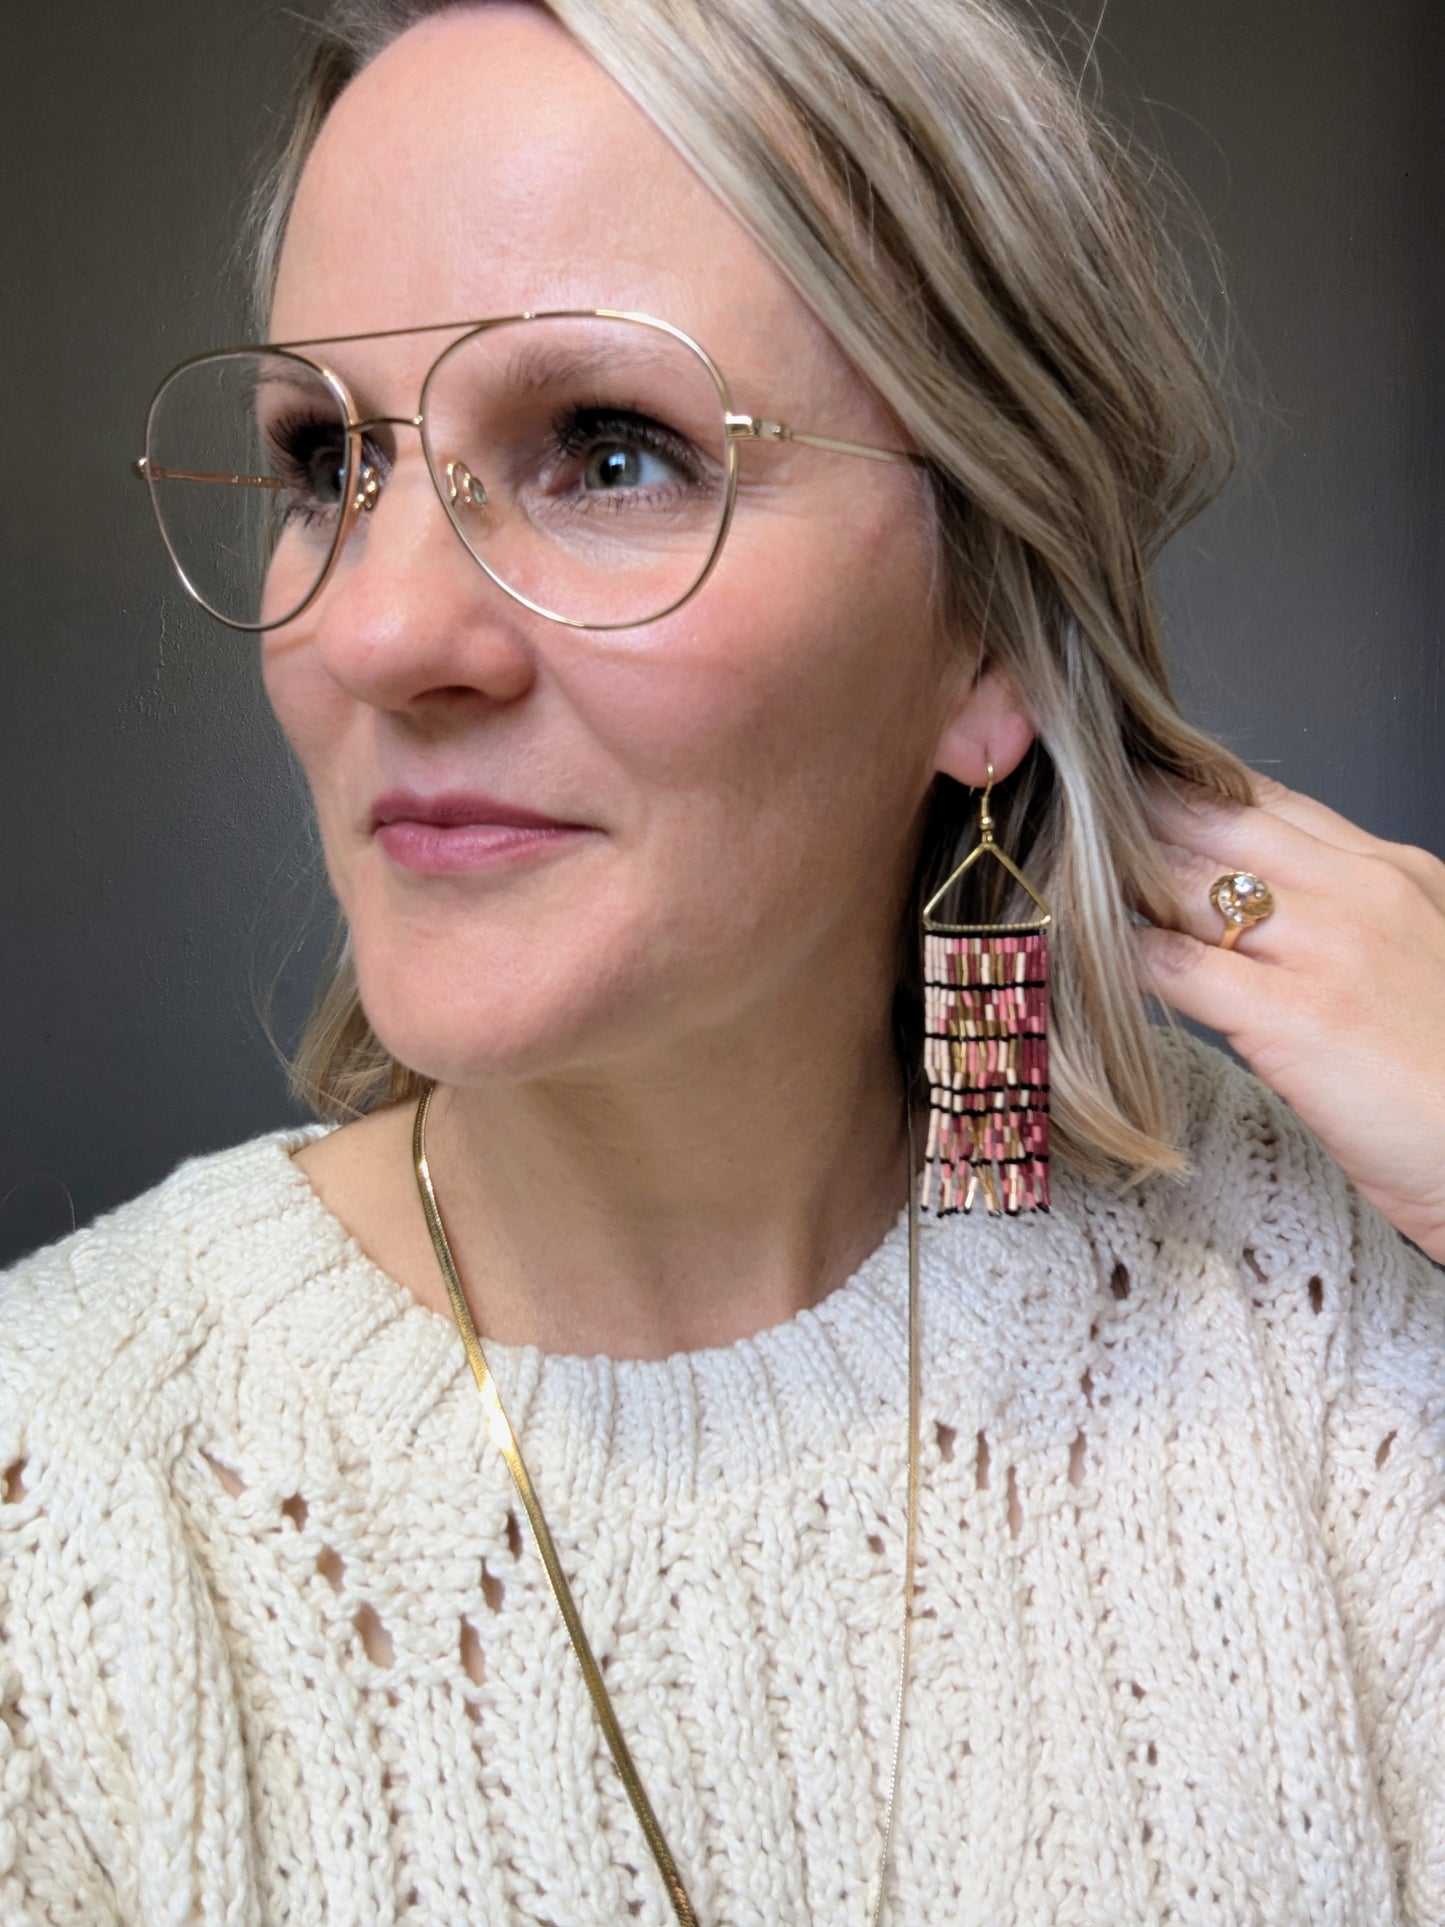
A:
491,1020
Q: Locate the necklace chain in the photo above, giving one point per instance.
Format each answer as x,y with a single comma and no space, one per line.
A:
500,1429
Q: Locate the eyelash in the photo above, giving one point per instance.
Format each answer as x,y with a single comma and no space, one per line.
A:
578,427
296,438
293,439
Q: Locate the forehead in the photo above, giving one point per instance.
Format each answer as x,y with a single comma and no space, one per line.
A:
484,164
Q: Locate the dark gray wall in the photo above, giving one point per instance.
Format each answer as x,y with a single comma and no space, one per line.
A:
156,860
1307,608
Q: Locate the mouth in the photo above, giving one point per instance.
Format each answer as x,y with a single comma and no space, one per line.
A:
455,831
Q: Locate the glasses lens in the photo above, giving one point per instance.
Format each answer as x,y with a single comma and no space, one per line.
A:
246,455
583,461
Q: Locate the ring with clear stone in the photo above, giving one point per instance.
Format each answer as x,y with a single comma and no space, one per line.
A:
1243,900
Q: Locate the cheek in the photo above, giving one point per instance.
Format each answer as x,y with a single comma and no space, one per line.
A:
799,677
775,743
283,675
314,716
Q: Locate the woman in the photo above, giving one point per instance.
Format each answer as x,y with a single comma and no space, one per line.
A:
626,801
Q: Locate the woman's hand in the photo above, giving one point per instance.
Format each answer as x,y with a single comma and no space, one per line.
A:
1337,1000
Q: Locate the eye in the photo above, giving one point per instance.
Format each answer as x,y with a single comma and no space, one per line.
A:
618,449
308,453
325,475
611,465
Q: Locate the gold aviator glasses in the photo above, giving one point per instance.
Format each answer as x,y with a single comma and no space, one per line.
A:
588,459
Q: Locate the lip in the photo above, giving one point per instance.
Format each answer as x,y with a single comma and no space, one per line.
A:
455,830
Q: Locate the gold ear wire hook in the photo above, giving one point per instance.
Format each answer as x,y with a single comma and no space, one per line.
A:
985,846
985,816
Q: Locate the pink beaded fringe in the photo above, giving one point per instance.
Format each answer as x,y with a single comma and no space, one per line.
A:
986,1055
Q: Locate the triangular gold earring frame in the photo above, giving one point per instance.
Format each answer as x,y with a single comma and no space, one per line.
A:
985,847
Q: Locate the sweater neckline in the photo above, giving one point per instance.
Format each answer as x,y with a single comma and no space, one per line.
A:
801,1390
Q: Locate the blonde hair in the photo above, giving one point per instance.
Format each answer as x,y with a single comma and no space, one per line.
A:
984,248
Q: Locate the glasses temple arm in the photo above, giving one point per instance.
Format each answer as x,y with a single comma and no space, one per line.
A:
755,428
147,471
857,448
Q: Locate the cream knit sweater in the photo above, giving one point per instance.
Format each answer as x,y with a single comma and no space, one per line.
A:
274,1646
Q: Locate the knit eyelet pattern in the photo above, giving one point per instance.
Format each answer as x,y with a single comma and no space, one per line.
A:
275,1647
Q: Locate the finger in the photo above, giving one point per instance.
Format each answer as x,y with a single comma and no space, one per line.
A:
1237,836
1286,932
1289,806
1328,826
1310,814
1218,988
1301,838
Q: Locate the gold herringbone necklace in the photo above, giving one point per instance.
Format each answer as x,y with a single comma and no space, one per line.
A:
500,1427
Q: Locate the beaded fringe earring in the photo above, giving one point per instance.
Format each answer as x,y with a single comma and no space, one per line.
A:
986,1051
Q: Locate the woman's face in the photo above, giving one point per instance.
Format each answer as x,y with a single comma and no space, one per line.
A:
741,779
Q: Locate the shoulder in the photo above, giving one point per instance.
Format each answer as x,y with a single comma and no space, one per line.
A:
1262,1192
1263,1243
94,1327
1345,1316
1259,1187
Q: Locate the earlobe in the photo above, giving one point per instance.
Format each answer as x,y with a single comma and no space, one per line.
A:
985,723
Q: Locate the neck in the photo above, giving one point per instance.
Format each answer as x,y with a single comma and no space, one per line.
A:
670,1212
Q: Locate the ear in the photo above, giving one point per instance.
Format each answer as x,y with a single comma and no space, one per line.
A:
986,722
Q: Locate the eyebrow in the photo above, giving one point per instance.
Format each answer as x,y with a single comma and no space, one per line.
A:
288,373
535,365
535,369
539,365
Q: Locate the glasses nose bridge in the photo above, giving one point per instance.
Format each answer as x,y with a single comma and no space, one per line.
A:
460,486
386,421
359,428
367,488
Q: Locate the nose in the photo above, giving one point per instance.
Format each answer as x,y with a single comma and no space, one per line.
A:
408,613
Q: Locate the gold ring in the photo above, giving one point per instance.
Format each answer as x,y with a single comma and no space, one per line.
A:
1243,900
